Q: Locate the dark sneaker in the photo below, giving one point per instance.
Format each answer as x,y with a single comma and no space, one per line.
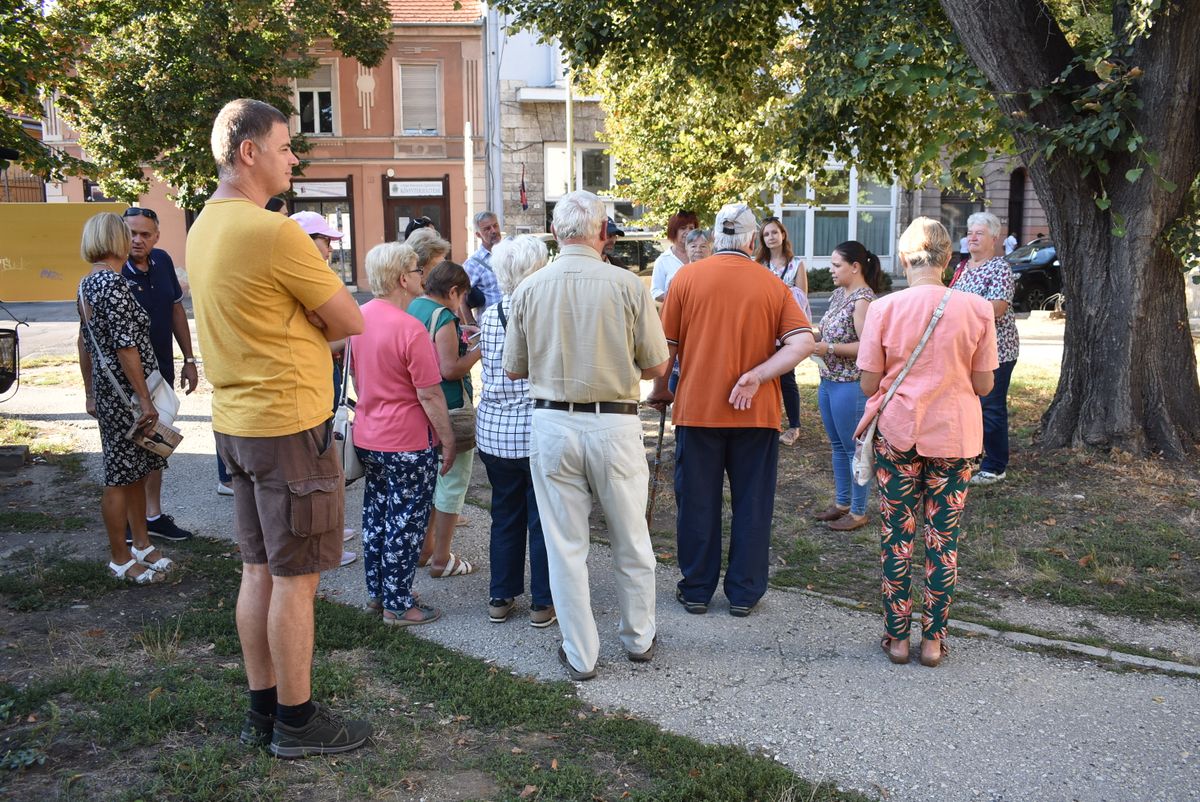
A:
695,608
740,610
500,609
573,672
646,656
163,527
542,615
324,734
257,729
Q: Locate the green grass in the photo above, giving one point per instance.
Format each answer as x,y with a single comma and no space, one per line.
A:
50,361
41,441
178,681
35,580
27,521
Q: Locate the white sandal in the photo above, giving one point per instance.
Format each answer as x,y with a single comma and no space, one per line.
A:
122,572
161,565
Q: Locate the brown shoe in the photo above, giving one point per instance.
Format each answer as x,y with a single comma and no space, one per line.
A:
848,523
897,656
832,513
930,660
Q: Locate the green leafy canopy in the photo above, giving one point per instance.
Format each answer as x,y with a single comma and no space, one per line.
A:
146,79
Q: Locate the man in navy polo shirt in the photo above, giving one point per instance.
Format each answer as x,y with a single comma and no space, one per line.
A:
151,276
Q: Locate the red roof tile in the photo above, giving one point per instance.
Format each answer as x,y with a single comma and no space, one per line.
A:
434,11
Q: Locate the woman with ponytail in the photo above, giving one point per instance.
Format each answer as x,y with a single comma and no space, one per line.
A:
857,278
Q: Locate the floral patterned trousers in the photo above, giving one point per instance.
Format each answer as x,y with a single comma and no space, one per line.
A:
396,502
909,485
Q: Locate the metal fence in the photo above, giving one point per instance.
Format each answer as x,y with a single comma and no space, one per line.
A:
18,186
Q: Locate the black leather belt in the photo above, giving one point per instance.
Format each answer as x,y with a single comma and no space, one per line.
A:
612,407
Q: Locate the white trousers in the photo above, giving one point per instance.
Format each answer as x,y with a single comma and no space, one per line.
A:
572,454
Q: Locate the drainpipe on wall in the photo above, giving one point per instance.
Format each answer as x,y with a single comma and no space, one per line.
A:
494,153
469,184
570,134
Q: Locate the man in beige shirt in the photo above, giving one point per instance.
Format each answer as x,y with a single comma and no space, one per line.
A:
585,334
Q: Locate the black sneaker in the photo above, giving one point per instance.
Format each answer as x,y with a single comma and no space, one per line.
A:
324,734
257,729
163,527
695,608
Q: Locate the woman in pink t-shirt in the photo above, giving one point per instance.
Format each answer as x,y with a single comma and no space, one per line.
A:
399,420
928,433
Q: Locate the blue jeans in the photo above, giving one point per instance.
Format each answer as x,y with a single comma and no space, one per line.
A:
515,512
842,405
995,421
702,459
791,397
397,497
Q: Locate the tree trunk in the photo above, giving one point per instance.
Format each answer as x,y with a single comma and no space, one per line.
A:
1128,377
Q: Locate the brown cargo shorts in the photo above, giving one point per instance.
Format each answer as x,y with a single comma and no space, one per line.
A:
289,499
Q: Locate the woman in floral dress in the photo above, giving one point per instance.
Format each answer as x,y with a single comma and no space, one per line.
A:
929,431
400,419
775,254
989,276
119,339
857,277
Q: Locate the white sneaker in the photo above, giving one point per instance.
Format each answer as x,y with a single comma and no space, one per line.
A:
347,534
987,478
224,489
348,557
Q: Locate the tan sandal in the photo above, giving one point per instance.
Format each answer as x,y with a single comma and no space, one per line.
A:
934,662
886,642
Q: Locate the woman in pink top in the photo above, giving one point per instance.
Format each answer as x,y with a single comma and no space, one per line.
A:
928,434
400,418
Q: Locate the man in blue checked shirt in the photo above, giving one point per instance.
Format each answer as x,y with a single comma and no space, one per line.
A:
485,290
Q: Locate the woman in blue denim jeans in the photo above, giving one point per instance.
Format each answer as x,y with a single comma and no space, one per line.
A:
857,278
502,425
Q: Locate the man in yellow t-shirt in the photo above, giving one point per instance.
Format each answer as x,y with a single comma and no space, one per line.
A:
266,306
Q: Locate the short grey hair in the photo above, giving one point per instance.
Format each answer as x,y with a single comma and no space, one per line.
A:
483,217
104,235
985,219
579,215
240,120
429,245
386,263
734,242
697,234
514,258
924,244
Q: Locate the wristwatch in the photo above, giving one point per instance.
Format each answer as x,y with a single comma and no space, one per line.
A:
187,360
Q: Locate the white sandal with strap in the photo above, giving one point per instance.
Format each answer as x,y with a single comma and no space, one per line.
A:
161,565
122,572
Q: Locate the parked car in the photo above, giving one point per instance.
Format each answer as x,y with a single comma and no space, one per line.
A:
1037,273
636,251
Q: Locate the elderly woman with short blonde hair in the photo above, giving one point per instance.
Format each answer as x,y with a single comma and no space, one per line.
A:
505,415
400,419
114,344
929,431
988,275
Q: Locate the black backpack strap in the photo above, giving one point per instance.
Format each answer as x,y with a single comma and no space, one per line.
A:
503,317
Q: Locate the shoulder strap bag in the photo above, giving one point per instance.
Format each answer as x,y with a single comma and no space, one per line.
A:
163,438
343,426
863,466
462,420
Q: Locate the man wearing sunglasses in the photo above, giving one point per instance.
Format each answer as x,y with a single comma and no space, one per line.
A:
151,276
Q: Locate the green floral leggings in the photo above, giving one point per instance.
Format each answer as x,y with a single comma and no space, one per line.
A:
908,482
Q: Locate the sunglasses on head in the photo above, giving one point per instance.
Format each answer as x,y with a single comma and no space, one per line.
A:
135,211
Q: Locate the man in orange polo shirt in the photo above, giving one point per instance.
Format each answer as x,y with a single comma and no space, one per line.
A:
723,318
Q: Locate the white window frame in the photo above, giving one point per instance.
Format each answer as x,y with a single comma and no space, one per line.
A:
439,95
852,210
580,148
334,95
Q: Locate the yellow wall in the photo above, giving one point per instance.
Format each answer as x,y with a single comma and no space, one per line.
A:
39,248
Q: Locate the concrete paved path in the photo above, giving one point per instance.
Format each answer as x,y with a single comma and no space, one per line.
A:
801,679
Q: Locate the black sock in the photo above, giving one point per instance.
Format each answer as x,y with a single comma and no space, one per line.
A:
263,702
294,715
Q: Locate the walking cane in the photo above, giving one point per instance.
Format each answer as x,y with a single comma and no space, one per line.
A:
662,425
